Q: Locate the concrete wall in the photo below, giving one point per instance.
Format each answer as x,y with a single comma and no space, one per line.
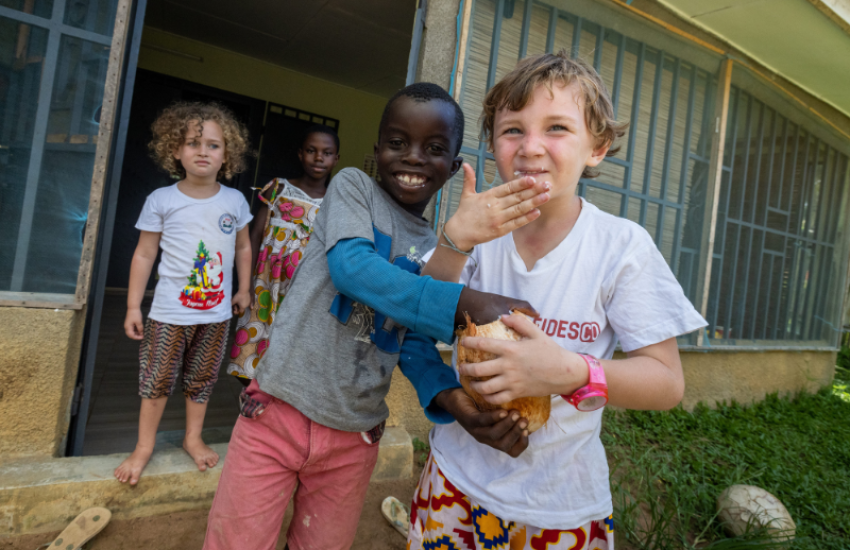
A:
39,358
358,112
748,376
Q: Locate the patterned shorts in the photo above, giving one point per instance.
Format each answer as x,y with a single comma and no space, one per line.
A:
443,518
167,351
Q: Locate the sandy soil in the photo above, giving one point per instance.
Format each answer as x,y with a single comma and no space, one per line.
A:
185,531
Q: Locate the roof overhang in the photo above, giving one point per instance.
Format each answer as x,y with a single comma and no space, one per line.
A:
805,41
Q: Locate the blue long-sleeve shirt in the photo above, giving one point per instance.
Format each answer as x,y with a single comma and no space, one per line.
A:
419,303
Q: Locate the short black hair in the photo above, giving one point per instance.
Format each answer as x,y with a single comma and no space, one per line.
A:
427,91
319,129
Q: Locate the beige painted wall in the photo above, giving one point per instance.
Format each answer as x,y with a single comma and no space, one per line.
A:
358,112
39,357
750,376
710,377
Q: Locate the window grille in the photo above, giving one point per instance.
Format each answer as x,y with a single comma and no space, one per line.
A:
776,267
55,57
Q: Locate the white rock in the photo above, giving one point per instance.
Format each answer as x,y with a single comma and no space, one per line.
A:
741,506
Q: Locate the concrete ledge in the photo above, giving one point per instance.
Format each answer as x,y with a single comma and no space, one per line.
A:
395,456
40,497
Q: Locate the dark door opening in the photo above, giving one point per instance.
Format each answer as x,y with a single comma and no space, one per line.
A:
106,403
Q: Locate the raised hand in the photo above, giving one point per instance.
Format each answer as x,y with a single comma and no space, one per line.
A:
482,217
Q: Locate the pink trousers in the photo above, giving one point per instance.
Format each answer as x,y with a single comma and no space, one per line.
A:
268,456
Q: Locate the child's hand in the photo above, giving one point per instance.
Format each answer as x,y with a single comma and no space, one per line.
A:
241,301
533,366
484,307
502,430
482,217
134,326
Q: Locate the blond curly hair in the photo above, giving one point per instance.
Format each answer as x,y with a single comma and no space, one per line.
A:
169,133
514,92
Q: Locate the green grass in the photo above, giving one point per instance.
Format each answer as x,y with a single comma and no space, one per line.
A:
668,468
420,451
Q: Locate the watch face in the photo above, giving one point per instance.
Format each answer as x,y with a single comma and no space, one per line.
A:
592,403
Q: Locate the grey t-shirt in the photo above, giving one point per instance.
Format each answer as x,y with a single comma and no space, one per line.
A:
329,356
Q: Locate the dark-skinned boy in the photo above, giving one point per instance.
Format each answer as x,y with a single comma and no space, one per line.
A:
356,308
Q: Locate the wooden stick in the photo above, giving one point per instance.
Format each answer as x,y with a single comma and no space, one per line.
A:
114,72
715,177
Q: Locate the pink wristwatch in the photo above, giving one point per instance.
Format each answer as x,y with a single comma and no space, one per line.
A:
595,394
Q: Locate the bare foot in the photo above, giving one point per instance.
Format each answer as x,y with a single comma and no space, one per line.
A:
131,468
203,456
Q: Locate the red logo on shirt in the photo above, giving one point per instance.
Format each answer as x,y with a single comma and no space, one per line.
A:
573,330
204,288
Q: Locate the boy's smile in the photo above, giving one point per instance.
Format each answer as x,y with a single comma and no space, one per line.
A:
415,151
547,139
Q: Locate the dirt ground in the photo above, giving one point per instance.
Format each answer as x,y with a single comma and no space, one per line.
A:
185,531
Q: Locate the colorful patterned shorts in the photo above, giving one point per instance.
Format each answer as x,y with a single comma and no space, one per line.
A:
167,351
443,518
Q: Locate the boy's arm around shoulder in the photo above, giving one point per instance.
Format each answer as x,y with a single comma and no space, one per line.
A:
422,304
444,401
419,303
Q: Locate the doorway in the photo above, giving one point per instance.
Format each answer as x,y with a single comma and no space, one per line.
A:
276,90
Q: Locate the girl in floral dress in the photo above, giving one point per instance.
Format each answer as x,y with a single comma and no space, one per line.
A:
283,228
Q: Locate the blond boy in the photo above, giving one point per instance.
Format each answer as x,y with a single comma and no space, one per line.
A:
595,279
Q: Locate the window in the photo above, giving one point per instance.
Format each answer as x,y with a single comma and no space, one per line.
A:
777,265
776,268
53,60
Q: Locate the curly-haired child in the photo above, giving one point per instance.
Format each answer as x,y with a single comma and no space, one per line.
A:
201,227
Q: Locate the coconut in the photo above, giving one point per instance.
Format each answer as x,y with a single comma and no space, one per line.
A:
535,409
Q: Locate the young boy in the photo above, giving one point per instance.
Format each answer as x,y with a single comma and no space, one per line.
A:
595,278
356,308
202,228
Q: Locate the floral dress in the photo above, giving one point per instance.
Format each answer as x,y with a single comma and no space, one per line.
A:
290,223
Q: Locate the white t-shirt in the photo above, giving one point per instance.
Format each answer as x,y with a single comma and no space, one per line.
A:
606,280
198,247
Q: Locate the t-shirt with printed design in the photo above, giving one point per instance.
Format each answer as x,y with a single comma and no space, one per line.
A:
198,245
332,357
605,281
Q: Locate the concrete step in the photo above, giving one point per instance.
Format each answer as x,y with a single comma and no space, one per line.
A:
43,496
